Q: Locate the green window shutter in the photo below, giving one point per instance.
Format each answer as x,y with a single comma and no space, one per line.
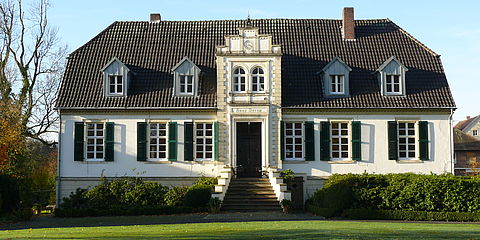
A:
188,135
172,141
356,141
325,141
392,140
282,140
423,138
141,141
109,141
215,141
309,141
79,141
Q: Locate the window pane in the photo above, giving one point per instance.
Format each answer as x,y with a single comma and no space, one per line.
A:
189,89
189,79
119,80
112,79
112,88
182,79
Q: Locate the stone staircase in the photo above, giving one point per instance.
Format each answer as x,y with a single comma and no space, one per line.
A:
250,195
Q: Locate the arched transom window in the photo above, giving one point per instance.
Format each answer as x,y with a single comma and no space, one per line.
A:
239,80
258,80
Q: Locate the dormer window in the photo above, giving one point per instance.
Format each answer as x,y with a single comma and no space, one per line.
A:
185,78
115,84
391,77
337,85
239,80
336,78
258,80
186,84
392,84
117,77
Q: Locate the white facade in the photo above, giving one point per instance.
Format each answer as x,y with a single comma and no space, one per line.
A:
250,50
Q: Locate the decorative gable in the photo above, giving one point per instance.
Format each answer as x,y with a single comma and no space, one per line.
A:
248,41
185,78
336,78
391,77
116,78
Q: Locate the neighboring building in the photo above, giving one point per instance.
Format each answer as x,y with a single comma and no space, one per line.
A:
173,100
467,154
470,126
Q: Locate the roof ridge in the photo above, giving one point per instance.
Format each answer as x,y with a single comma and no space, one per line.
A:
413,38
254,19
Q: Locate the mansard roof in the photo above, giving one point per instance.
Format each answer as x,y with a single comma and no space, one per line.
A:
308,45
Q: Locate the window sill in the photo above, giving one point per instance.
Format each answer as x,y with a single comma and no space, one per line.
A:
207,162
158,162
295,162
94,161
410,161
342,162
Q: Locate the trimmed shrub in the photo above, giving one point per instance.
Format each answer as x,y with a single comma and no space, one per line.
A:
175,196
370,214
132,196
410,192
198,195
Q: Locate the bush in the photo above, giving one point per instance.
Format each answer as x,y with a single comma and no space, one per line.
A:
9,194
369,214
411,192
207,181
214,205
198,195
175,196
133,196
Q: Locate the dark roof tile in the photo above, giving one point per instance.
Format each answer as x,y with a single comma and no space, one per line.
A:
152,49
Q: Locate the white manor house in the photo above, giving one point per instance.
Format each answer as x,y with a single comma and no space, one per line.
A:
170,101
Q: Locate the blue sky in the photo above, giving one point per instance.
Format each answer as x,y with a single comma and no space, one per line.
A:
450,28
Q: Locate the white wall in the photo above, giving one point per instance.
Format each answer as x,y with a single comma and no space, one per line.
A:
375,147
125,161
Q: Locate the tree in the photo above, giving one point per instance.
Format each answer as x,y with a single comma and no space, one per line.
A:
32,61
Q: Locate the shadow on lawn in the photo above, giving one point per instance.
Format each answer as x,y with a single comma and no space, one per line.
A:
270,234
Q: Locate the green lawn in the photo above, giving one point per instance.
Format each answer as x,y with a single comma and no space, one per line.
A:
259,230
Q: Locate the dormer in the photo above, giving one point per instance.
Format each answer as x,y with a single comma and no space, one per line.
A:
116,78
391,77
336,78
185,78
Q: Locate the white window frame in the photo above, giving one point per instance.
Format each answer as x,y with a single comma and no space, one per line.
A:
340,136
415,137
186,84
204,137
157,137
95,138
337,84
237,80
256,77
392,84
116,84
475,133
294,136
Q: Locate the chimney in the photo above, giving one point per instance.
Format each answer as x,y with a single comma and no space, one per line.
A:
348,24
468,117
155,17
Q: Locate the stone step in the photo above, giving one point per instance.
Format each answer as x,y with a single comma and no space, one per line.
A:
251,192
249,188
256,197
251,208
250,180
250,203
245,184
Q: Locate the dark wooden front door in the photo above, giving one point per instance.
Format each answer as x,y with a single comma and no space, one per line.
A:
249,149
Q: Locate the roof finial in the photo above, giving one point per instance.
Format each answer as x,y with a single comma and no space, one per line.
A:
249,21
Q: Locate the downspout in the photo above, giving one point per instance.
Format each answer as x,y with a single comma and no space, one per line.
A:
452,153
59,151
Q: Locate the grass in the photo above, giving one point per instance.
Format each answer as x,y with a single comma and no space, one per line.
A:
259,230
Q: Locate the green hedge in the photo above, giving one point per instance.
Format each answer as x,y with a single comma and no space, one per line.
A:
370,214
133,196
125,211
410,192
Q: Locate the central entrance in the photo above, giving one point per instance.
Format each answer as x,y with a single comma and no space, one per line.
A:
249,149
